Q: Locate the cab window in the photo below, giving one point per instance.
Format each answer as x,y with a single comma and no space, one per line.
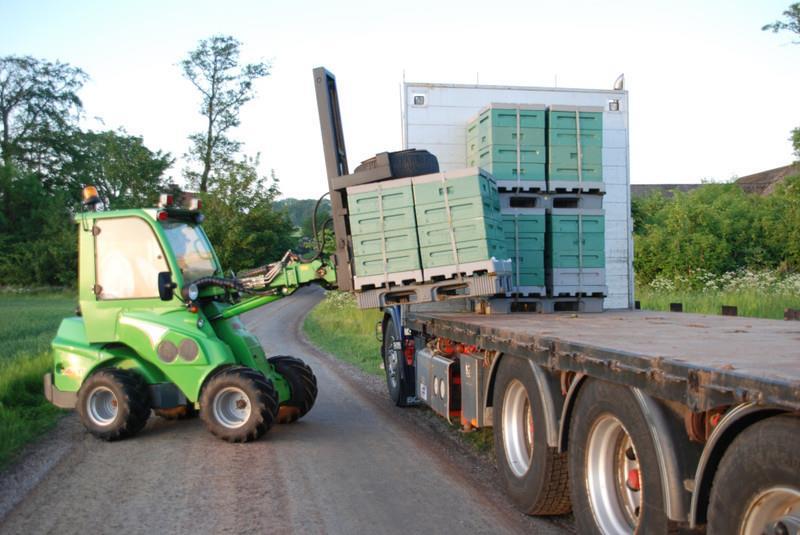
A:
128,259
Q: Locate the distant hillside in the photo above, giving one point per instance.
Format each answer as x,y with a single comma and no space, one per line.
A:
300,210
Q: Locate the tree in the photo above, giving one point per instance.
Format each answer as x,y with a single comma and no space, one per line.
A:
213,68
795,139
241,221
790,24
126,173
38,104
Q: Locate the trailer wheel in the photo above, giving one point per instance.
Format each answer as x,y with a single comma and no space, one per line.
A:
757,485
181,412
303,385
393,364
114,404
238,404
534,475
613,464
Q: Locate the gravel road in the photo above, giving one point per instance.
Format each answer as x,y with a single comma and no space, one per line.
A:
354,464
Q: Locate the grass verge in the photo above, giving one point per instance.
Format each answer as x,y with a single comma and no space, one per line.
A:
342,329
29,324
751,303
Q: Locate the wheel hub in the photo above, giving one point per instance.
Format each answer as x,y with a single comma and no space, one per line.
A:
518,428
102,406
231,407
775,510
613,477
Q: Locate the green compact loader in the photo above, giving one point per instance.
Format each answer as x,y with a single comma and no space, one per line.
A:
158,329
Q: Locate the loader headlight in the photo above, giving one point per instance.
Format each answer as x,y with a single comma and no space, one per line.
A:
192,292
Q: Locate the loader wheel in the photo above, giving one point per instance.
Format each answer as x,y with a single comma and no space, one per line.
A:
534,475
238,404
757,488
303,385
114,404
181,412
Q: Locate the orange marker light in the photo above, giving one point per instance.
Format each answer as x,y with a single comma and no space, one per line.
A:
90,195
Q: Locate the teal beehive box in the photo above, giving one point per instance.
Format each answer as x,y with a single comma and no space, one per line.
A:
574,148
458,222
383,231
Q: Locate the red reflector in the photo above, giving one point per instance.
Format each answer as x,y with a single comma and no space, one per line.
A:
193,309
170,199
408,352
163,216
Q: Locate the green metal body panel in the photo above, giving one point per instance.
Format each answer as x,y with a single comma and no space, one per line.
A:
569,138
395,262
565,120
390,241
468,251
370,223
590,155
481,228
494,154
368,202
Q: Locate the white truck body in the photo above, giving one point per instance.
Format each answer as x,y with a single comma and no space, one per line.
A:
434,118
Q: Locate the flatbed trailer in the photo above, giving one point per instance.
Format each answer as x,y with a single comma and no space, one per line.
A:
709,405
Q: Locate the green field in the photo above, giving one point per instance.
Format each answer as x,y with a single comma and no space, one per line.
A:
29,322
752,303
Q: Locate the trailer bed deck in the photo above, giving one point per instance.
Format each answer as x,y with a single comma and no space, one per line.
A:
703,361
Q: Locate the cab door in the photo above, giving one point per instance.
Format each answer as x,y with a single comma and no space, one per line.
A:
120,272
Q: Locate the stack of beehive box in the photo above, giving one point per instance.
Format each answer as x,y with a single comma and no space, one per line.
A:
524,232
427,228
508,140
551,189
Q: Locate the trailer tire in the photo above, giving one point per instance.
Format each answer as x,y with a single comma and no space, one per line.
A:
303,386
405,163
393,365
238,404
114,404
542,486
610,447
757,477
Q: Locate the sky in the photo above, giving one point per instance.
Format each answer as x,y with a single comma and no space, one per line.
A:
712,96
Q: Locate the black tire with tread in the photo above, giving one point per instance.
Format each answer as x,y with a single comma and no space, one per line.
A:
397,393
405,163
761,457
544,489
133,403
302,383
262,396
595,399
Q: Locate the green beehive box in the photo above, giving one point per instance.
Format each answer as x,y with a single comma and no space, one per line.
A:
389,195
494,115
494,154
390,241
569,138
469,184
563,118
468,251
370,223
523,224
565,259
592,156
568,171
510,135
575,238
568,242
530,172
529,261
395,262
566,220
481,228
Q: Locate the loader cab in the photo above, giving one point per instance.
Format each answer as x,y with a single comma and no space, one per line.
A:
127,257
